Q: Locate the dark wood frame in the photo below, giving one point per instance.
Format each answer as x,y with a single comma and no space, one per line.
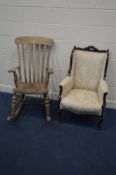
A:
90,49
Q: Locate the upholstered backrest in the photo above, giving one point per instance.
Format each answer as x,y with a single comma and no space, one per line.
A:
88,68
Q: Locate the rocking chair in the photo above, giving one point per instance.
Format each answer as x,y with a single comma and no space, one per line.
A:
31,76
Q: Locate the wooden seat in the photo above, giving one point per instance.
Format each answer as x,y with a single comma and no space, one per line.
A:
31,88
31,75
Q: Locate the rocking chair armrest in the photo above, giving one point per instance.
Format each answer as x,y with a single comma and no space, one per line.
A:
102,91
65,86
13,70
50,70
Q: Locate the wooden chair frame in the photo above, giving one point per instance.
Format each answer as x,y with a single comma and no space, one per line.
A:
90,49
31,76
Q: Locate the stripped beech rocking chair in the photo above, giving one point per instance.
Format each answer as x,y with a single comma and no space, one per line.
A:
31,76
84,90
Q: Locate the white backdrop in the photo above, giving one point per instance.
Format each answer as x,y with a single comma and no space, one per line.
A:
69,23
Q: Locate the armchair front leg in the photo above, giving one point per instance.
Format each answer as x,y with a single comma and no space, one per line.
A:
102,93
102,113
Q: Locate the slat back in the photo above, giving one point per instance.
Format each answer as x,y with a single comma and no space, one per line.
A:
33,58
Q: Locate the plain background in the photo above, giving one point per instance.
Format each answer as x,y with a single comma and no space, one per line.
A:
69,23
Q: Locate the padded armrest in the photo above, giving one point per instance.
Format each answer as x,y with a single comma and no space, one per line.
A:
65,86
102,89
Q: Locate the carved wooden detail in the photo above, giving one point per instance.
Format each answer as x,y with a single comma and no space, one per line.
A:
89,49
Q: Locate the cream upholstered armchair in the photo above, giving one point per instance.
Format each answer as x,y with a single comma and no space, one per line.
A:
31,76
84,90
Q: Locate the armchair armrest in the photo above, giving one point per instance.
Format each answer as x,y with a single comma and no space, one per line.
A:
102,91
65,86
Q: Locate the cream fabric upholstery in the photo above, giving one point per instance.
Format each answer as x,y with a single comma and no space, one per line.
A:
88,69
66,85
81,101
102,88
83,90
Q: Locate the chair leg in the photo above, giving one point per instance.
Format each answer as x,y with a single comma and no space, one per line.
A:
13,117
47,108
17,105
59,116
100,123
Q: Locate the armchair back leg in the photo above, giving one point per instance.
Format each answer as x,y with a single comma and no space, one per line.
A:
59,118
100,123
102,116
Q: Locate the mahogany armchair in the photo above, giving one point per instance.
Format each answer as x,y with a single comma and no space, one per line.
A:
31,76
85,88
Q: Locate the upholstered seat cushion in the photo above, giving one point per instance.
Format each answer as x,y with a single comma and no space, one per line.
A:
81,101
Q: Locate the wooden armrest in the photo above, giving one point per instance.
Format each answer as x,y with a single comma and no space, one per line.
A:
50,71
13,69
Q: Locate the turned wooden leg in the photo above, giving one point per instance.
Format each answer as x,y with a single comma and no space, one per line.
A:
47,108
101,118
13,117
17,105
59,116
100,123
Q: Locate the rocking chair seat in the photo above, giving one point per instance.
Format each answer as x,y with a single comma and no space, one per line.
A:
31,88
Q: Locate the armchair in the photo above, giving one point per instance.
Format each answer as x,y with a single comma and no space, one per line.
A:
85,88
31,76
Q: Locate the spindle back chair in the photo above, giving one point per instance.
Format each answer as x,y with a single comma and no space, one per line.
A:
31,76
